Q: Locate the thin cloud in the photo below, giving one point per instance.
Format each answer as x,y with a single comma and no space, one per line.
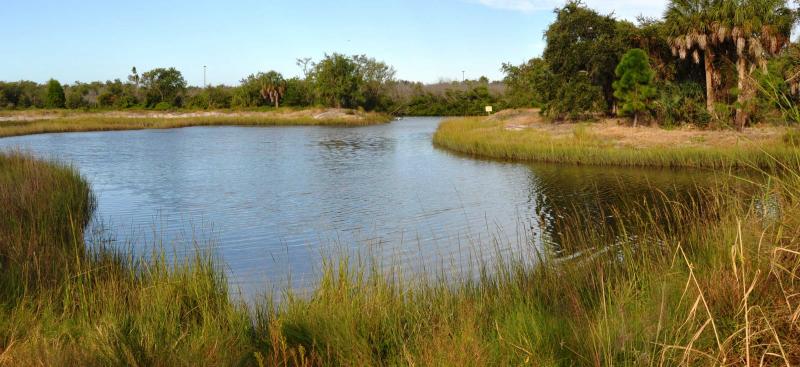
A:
626,9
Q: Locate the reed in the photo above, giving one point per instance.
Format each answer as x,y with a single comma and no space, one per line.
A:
710,280
491,139
72,122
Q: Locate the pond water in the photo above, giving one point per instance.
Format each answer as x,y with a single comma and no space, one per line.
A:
273,200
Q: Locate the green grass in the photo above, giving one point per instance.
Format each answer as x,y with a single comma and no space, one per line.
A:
709,281
490,139
76,122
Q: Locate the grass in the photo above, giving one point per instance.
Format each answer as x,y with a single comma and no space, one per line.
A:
39,122
645,147
708,281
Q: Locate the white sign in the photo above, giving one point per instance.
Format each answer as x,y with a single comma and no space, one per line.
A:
488,109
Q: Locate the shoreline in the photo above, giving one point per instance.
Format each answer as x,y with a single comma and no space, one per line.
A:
522,135
20,123
99,304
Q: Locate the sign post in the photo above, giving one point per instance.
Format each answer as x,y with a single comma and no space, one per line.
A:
488,110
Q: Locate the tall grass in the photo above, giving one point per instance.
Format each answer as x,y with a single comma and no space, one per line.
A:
100,122
485,138
705,281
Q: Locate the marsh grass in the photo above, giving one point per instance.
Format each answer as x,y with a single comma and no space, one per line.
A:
99,122
491,139
705,281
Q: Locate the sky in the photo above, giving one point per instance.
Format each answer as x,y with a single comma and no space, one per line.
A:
425,40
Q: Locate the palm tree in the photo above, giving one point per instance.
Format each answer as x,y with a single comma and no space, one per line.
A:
273,87
759,29
693,27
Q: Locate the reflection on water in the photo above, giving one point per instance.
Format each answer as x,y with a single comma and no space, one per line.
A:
274,198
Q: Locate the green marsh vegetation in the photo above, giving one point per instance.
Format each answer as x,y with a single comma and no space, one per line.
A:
60,121
606,145
709,279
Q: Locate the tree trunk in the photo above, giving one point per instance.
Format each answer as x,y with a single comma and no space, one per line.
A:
635,119
277,102
710,92
741,110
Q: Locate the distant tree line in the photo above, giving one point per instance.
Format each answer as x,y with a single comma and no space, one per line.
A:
704,62
338,81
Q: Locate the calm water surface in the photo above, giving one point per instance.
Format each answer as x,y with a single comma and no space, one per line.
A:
274,200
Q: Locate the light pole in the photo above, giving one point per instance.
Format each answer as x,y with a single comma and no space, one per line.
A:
204,76
463,79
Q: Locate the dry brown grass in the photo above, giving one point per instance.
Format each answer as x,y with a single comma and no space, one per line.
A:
619,133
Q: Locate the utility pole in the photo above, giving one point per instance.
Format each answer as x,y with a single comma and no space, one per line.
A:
204,76
463,79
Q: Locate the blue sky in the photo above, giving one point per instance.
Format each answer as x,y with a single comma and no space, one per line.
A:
424,40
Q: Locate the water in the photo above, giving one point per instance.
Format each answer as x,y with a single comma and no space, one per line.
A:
274,199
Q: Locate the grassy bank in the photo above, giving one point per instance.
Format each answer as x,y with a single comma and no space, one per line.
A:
523,136
706,282
53,121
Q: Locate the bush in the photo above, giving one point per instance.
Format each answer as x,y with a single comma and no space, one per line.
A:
75,99
163,106
199,100
682,103
125,101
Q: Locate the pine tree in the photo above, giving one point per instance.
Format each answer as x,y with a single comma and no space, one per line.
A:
55,95
634,88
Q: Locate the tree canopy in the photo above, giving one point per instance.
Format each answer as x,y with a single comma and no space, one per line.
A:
163,85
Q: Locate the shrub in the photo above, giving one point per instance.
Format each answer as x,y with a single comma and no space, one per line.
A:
75,99
163,106
682,103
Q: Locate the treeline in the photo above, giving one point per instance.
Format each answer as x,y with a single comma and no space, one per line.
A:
705,62
337,80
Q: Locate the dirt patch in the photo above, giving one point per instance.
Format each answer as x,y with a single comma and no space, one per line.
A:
618,132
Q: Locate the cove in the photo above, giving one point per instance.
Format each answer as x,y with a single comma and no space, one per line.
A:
272,200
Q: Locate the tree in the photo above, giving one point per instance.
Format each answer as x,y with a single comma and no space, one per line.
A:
163,85
574,98
696,26
336,80
55,95
134,78
375,79
523,87
256,89
635,85
273,87
759,29
298,93
584,44
75,95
